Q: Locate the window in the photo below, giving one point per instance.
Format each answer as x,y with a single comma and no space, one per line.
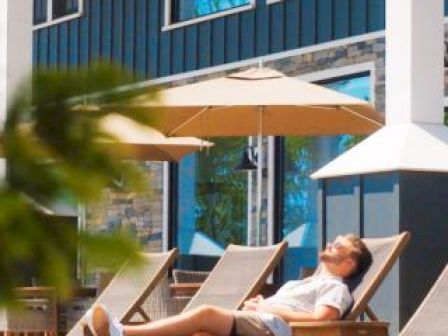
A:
213,198
303,155
180,11
64,7
47,12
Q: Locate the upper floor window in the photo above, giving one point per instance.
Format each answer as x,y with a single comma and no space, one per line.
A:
64,7
180,11
47,12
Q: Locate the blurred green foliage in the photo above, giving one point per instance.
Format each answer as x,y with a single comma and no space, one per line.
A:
49,143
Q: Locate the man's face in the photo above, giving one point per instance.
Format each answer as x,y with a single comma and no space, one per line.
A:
339,254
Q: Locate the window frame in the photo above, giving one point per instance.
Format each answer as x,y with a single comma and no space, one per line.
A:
50,21
271,2
168,25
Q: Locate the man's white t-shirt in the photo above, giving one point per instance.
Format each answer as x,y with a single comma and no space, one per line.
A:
304,296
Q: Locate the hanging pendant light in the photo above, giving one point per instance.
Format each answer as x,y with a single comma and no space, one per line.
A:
248,159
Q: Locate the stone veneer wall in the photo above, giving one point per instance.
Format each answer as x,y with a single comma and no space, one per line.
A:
139,213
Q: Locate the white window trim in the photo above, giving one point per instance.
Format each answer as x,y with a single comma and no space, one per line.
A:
342,71
170,26
51,22
270,2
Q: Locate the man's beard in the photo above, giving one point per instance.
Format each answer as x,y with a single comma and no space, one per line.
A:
330,258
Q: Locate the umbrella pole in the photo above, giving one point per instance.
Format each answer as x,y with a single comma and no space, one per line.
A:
259,174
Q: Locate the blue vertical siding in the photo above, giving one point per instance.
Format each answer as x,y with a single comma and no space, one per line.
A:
141,38
277,28
106,30
73,43
191,48
218,42
262,32
129,35
129,32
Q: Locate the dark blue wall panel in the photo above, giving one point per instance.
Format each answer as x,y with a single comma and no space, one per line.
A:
130,32
247,35
341,18
218,42
63,45
95,29
191,48
141,38
153,38
73,43
308,22
358,17
262,31
117,31
277,32
292,24
106,30
232,39
325,22
204,40
178,50
342,204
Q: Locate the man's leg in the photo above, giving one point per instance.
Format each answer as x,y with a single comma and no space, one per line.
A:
205,319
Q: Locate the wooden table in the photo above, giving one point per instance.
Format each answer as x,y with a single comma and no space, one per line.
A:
340,328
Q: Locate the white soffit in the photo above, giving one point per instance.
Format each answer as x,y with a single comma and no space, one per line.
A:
402,147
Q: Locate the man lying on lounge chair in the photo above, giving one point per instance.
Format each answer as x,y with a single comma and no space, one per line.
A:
321,297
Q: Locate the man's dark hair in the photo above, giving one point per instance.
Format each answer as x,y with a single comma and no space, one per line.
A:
360,254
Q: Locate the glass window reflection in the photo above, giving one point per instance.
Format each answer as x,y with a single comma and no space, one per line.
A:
212,203
182,10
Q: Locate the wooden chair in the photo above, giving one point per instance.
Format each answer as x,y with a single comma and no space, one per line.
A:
385,252
128,290
430,318
239,274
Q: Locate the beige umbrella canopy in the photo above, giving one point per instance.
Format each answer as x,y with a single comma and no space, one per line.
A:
141,142
259,101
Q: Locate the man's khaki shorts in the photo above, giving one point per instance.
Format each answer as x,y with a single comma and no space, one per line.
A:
248,323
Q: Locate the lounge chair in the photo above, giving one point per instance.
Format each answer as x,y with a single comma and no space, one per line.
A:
385,252
239,274
430,317
128,290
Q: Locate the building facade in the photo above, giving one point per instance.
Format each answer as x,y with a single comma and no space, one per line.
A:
201,203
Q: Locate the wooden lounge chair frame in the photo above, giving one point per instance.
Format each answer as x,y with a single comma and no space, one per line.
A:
361,304
255,285
435,302
135,301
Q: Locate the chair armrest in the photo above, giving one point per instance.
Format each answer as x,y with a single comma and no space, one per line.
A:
339,328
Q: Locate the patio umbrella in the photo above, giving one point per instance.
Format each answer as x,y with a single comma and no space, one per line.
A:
145,143
259,101
128,139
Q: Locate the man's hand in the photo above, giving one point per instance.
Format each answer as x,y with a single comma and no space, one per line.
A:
322,313
253,303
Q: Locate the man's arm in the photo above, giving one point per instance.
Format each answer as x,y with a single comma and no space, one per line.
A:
322,313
